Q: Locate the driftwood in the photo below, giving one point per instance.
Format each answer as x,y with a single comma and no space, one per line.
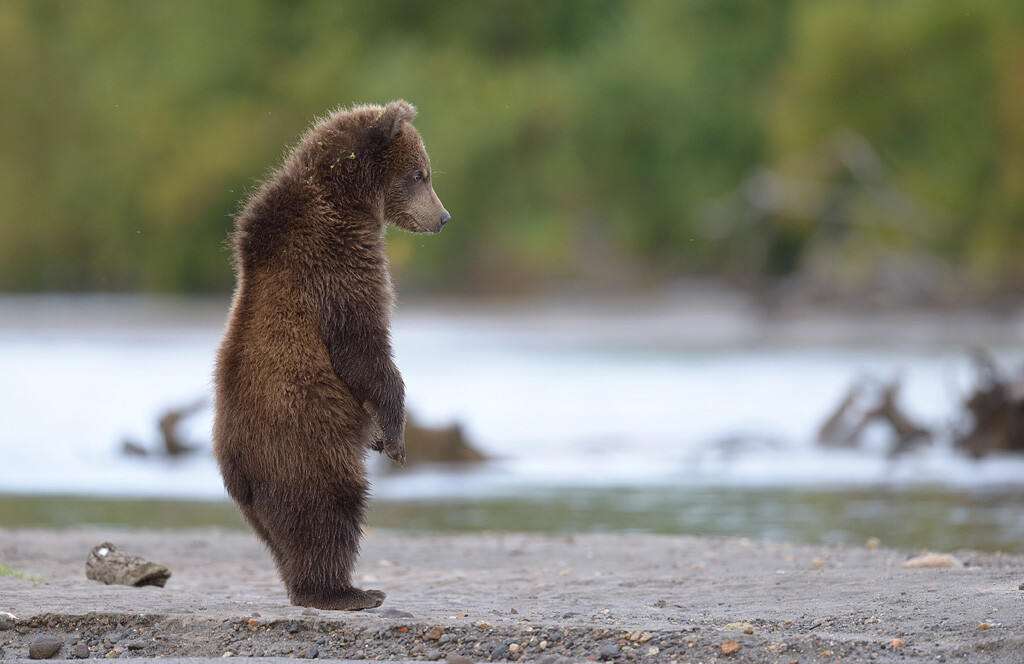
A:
845,427
425,444
993,415
436,445
172,444
997,411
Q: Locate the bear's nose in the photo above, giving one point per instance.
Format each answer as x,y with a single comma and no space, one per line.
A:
445,217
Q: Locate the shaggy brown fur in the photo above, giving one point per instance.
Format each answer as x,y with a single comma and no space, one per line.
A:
305,378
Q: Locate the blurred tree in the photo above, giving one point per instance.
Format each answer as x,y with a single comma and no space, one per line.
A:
930,88
583,140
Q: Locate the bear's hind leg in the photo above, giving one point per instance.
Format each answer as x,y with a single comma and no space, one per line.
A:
319,552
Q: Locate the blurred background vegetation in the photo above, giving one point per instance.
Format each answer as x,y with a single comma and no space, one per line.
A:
831,149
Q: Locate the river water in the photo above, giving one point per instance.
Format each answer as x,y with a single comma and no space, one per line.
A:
667,414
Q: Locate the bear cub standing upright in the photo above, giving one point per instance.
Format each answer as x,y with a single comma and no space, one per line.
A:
305,382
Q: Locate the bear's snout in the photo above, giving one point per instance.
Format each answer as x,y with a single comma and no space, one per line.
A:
445,217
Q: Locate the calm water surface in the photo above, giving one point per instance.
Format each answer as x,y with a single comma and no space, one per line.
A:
671,417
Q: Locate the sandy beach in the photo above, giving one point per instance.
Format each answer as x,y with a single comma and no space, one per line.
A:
528,597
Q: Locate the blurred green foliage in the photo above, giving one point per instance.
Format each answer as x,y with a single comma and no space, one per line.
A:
570,140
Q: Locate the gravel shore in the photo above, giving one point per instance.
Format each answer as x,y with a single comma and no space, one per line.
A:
527,597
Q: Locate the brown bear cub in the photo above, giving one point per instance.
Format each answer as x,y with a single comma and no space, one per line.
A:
305,382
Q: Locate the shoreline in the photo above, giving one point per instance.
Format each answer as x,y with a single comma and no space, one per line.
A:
610,597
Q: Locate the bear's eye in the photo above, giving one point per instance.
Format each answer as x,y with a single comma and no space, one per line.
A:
419,176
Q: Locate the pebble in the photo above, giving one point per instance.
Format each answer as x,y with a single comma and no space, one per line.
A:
458,659
312,652
6,621
82,651
45,647
608,651
444,638
434,655
933,560
499,652
395,613
310,611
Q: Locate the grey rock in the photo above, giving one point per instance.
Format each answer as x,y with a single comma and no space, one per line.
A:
608,651
499,652
312,652
111,565
394,613
81,651
44,647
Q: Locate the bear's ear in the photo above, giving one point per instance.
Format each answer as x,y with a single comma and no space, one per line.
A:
388,124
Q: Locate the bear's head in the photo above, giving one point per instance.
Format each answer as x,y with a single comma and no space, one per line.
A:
382,165
410,202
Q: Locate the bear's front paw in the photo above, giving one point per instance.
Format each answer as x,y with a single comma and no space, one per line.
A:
395,448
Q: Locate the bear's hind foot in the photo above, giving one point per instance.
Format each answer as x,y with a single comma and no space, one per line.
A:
346,599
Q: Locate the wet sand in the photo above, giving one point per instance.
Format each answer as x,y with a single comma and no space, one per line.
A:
533,597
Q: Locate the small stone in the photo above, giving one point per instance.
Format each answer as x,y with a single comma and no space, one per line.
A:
310,611
395,613
514,648
896,643
872,543
443,639
312,652
458,659
434,634
933,560
109,564
498,653
7,619
44,647
729,647
608,651
434,655
653,650
82,651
